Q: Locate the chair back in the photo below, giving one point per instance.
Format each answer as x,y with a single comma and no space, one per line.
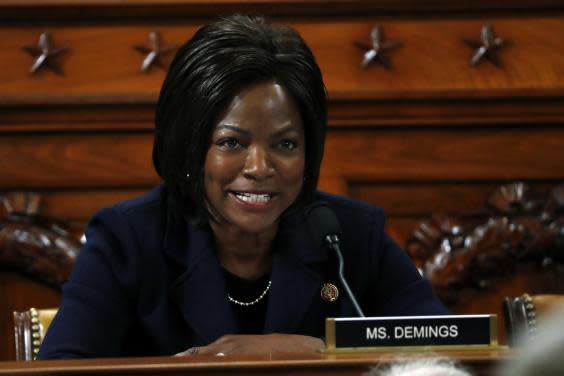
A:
29,330
523,312
36,257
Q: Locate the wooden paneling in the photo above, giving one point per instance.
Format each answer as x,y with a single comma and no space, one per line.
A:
97,160
54,160
409,112
81,205
101,64
20,117
446,154
133,9
425,198
434,62
430,63
446,111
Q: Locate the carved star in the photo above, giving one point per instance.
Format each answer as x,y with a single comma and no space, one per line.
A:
155,52
488,47
376,52
45,54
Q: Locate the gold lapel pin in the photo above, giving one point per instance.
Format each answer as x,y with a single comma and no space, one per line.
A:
329,292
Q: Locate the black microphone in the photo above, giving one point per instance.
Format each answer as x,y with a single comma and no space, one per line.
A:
323,226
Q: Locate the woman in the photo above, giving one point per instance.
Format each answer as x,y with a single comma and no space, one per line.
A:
216,260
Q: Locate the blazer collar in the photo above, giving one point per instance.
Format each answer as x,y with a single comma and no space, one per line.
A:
199,287
185,243
199,290
294,289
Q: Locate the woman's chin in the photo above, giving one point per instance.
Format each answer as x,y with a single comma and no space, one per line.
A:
255,226
257,229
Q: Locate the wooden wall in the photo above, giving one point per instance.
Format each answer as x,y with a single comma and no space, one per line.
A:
432,134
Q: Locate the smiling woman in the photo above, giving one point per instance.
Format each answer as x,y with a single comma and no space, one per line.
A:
217,260
253,173
254,167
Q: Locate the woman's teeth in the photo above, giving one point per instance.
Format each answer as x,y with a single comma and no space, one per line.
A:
253,198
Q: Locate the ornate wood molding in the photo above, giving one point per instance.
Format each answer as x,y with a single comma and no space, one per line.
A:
78,10
155,52
488,47
32,244
45,54
377,50
474,250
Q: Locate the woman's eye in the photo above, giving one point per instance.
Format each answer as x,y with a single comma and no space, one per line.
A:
288,145
229,143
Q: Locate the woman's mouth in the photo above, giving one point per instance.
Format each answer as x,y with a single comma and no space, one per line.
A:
253,198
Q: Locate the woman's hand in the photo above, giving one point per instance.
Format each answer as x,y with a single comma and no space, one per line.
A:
258,344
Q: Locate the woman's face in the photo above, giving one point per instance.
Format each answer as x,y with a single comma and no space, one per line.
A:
255,164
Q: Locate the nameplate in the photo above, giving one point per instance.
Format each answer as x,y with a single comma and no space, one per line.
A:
411,331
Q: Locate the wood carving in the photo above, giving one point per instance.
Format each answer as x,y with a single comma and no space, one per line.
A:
34,245
476,249
488,47
45,54
376,51
155,53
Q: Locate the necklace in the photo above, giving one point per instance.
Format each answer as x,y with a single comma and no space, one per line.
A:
253,302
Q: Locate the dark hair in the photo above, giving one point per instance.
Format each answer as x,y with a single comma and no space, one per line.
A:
217,62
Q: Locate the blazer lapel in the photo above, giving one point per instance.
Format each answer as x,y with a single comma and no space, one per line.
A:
295,285
200,290
199,286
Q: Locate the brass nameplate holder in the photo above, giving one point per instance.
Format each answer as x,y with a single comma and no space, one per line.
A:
410,332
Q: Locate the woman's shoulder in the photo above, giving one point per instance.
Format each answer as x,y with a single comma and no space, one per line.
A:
147,207
143,217
358,220
150,201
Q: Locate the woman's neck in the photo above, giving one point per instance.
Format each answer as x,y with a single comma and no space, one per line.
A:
247,255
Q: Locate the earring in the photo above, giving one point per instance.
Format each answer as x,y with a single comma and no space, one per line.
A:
188,175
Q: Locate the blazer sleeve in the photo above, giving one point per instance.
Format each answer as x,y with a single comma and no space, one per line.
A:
100,293
396,288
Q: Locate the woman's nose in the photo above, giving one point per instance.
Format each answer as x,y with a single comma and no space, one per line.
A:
258,165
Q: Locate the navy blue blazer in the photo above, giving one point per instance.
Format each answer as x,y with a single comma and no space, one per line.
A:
146,285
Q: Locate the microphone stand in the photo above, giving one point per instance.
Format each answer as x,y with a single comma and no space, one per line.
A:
333,243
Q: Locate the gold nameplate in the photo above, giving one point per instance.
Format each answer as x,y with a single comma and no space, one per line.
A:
417,332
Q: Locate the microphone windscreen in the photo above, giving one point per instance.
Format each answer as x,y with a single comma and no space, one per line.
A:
321,221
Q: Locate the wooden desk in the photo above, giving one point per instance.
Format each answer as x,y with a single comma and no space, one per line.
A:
480,362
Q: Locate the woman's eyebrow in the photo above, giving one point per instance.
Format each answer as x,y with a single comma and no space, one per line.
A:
233,128
286,129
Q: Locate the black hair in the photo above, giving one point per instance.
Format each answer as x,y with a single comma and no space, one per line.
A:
221,59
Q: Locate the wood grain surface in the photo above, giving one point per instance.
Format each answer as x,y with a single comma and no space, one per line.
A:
120,10
433,61
480,362
117,159
445,155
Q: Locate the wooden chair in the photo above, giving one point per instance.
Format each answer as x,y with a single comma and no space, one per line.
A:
523,312
512,244
29,330
36,257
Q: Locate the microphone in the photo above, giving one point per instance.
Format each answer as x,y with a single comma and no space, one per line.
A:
323,226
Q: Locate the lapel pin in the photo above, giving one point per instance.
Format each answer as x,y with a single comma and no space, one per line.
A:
329,292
